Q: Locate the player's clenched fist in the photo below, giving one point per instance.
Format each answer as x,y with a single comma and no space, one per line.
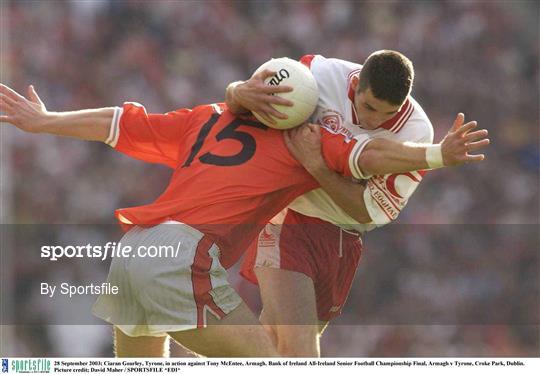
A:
461,140
304,143
27,114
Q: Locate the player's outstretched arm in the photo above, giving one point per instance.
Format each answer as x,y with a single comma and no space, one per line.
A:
256,96
30,114
383,156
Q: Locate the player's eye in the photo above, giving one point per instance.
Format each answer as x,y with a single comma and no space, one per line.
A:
369,107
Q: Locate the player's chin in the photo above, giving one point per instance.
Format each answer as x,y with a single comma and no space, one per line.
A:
367,125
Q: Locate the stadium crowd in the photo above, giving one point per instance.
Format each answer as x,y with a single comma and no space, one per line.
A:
457,274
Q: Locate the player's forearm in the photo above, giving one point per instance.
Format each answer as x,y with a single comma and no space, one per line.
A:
383,156
88,124
345,193
231,101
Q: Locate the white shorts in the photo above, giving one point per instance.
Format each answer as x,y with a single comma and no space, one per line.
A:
172,292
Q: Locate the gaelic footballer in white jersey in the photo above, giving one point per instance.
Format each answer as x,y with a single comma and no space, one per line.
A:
386,195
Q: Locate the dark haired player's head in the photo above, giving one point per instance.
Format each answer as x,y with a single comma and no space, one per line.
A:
389,75
385,82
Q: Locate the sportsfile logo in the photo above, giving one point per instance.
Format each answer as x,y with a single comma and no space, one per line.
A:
5,365
39,365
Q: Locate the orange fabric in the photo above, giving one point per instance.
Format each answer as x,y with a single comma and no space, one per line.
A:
232,175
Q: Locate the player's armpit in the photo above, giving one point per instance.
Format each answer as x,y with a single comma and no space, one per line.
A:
345,193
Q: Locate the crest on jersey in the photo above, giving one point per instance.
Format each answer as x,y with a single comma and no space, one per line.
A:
333,122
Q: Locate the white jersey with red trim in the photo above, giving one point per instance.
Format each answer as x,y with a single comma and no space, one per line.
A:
384,196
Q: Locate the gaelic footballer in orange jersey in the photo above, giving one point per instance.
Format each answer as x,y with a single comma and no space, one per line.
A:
231,174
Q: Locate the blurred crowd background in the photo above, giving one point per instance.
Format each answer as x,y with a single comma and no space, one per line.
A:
456,275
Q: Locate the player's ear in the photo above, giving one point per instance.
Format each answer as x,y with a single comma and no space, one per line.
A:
355,80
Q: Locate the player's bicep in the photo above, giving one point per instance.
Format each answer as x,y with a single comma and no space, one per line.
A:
149,137
385,196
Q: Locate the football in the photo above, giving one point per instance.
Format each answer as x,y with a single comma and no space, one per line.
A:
305,93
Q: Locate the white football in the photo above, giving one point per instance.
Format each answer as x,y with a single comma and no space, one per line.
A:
305,92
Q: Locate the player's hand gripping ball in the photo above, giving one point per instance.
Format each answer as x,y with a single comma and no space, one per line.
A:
304,96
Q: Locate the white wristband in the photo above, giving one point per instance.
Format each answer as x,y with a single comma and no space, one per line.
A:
434,156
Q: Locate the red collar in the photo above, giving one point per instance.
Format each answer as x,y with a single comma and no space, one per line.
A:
353,108
391,123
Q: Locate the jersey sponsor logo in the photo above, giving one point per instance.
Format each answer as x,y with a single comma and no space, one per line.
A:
335,308
384,203
391,192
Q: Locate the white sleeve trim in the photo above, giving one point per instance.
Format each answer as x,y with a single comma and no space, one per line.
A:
114,132
355,157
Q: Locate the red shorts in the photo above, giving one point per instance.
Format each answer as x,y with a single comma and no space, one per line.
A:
316,248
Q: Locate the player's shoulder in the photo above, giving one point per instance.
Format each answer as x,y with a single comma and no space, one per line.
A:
203,112
416,127
330,66
211,108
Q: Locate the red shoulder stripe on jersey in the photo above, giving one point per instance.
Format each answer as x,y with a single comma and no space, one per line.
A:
350,95
391,123
403,121
399,117
306,60
354,72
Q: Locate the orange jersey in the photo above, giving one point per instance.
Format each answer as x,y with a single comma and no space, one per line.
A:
231,174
